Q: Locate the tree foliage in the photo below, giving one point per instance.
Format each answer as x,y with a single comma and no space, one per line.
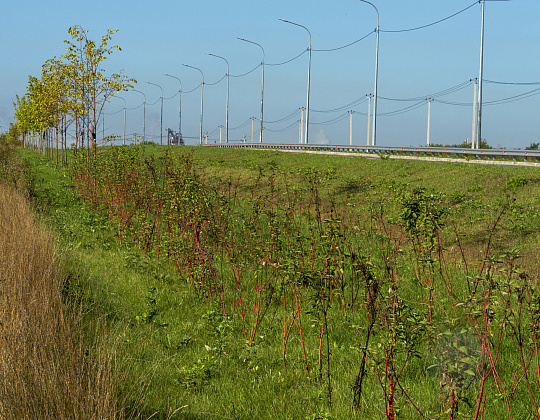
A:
72,89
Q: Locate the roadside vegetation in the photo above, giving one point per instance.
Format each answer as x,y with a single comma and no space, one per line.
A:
53,365
243,284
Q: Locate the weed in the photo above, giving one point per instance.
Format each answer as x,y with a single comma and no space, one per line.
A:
517,181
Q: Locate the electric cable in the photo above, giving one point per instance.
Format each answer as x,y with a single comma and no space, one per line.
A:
339,118
433,23
341,108
219,81
194,89
512,83
280,130
288,61
245,74
345,46
241,125
287,117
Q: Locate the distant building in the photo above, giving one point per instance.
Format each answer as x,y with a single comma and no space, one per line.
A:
174,138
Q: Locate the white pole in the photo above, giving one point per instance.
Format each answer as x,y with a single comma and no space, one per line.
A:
144,113
161,119
302,125
179,109
202,96
428,118
368,116
262,87
474,118
374,136
124,123
480,79
227,105
350,127
308,77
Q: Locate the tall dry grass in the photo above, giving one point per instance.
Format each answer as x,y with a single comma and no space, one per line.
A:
49,369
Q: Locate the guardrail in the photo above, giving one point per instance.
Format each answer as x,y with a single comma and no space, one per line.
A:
443,152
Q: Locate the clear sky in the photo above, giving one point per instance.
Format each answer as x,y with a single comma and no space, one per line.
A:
159,36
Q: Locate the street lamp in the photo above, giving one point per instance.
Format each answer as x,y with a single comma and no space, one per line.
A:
480,80
144,114
202,91
308,77
161,126
227,106
119,97
179,109
262,88
374,136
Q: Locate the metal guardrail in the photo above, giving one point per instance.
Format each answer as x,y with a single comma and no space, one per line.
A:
443,152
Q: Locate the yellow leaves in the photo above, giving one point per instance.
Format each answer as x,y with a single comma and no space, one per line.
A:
74,84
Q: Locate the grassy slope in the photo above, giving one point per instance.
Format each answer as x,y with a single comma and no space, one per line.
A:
474,193
172,333
49,367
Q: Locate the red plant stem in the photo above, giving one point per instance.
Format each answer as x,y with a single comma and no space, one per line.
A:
284,320
302,336
480,397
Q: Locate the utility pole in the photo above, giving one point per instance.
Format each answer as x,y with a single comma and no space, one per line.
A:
302,125
202,96
368,116
161,117
262,85
308,77
144,115
429,100
299,131
124,138
474,116
227,105
220,127
480,79
179,109
252,119
350,127
374,136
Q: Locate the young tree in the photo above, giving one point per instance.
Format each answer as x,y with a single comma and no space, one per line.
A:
72,88
92,87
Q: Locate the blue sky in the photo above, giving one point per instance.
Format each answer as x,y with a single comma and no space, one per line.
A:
158,37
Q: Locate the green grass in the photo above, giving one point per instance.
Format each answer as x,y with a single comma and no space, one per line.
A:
188,356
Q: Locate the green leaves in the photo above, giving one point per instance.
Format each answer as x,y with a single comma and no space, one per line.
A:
75,84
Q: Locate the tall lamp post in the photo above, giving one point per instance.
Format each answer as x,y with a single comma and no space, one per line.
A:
308,77
179,109
227,105
144,114
374,134
119,97
161,124
480,79
202,91
262,88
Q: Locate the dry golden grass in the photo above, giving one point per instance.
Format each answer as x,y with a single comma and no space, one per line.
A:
48,369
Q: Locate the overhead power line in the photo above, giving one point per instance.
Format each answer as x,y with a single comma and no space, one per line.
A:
432,23
288,61
245,74
215,83
345,46
287,117
512,83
